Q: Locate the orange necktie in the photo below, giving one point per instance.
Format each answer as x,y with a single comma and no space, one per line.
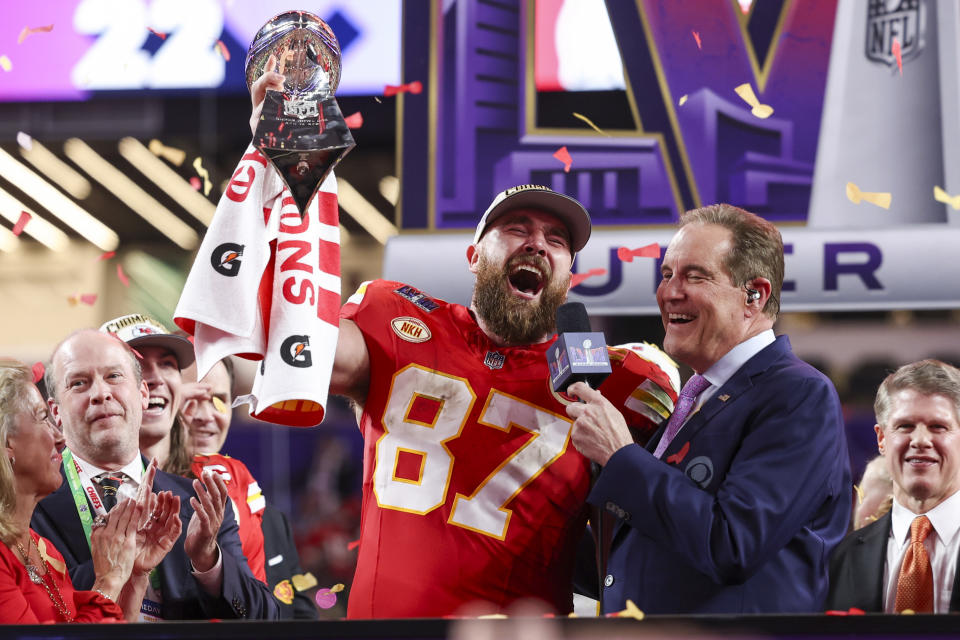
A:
915,583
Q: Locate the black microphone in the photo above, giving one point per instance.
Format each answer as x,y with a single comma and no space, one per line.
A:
578,354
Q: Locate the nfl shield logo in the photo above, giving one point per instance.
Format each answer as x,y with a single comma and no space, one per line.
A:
494,360
900,20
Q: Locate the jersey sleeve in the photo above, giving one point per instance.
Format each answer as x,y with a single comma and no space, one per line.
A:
643,385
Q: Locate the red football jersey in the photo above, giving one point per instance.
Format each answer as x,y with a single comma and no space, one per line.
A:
248,503
472,489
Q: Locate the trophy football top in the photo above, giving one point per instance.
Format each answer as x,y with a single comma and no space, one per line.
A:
306,49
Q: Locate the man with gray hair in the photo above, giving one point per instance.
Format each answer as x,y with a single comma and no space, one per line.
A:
907,559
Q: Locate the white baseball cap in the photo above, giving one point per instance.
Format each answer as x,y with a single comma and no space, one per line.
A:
137,329
535,196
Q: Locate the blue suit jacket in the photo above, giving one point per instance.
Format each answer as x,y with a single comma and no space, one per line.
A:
242,595
742,512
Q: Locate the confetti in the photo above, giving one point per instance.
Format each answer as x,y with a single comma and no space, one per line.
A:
26,31
648,251
220,407
24,140
895,50
859,493
304,581
678,457
377,98
326,598
353,544
576,279
412,87
195,183
5,63
683,99
696,36
590,122
354,120
85,298
942,196
631,611
854,195
171,154
203,174
122,276
159,34
745,91
563,156
38,372
21,223
106,256
135,352
222,48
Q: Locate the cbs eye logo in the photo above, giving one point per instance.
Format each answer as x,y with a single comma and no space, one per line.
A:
225,259
295,352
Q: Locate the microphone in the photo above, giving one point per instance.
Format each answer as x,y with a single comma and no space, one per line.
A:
578,354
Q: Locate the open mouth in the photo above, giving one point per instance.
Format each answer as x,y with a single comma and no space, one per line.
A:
679,318
156,406
527,279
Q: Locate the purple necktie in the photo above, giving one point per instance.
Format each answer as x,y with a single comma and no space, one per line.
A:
688,395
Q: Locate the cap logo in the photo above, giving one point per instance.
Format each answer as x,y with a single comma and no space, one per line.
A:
525,187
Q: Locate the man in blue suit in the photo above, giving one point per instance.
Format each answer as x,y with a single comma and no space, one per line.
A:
98,397
738,501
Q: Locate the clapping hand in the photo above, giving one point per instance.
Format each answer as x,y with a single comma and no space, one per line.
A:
208,507
113,546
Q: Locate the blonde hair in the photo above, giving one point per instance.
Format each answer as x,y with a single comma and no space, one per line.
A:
14,378
929,377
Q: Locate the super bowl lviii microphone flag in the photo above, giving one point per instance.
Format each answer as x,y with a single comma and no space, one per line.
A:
265,284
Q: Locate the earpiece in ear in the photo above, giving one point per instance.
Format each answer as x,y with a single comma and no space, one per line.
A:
752,295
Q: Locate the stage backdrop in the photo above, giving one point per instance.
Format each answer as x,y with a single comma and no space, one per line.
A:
864,98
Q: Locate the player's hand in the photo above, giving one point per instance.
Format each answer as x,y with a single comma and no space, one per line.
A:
269,80
599,430
201,541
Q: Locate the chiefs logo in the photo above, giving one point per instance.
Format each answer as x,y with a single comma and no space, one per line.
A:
225,259
295,351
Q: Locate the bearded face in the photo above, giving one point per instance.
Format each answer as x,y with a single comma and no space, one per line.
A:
518,320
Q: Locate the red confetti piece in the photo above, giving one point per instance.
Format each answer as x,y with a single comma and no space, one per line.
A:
195,183
38,372
649,251
107,255
222,48
895,49
159,34
280,128
123,277
135,352
696,36
353,545
354,120
411,87
21,223
678,457
27,31
88,298
577,278
563,156
325,598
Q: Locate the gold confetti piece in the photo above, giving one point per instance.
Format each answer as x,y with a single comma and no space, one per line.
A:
5,63
631,611
762,111
170,154
590,123
859,493
879,198
304,581
942,196
222,408
492,616
337,588
683,99
207,185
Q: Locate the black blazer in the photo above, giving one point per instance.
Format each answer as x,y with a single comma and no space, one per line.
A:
856,570
241,596
279,548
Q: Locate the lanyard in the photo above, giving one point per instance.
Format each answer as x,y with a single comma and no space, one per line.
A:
82,488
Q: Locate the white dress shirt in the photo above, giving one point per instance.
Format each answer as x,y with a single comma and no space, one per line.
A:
942,546
724,368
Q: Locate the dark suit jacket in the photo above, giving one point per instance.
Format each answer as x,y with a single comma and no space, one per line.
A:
742,512
856,570
278,547
242,595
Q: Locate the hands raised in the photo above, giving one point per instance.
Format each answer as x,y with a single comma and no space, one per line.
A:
269,80
208,507
160,525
